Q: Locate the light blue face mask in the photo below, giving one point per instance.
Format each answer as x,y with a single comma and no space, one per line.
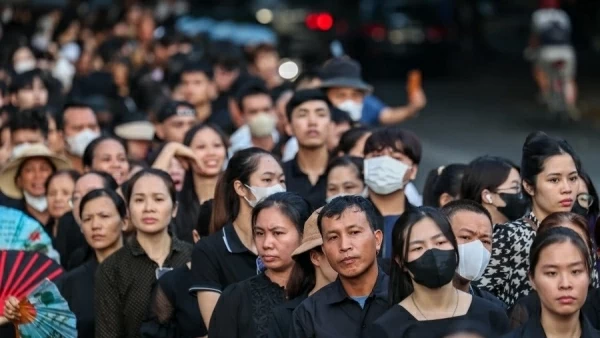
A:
260,193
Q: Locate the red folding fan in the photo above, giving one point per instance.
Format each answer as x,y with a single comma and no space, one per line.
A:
22,271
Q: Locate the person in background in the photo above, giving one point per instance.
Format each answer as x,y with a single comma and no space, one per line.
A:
472,226
550,173
245,307
309,116
347,306
27,127
79,128
28,90
108,154
172,163
138,135
263,61
345,177
341,79
56,142
352,142
228,254
310,273
442,185
256,107
495,183
24,177
102,213
59,191
586,204
197,87
424,299
173,120
560,271
392,156
125,280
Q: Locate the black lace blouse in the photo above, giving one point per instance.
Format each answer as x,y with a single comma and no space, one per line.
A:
244,308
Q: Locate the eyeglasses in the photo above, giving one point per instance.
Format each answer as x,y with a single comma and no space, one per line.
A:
515,190
585,200
161,272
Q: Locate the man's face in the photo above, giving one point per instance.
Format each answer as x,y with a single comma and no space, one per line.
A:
30,97
224,78
266,65
310,123
349,243
255,104
195,88
174,128
335,133
469,226
337,96
21,136
77,120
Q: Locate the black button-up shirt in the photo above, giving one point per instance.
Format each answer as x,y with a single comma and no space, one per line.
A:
533,329
124,284
297,181
331,313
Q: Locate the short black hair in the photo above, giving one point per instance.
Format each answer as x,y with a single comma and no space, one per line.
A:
338,205
349,139
108,181
227,55
33,119
485,172
97,193
197,67
305,95
453,207
402,140
75,103
25,80
250,88
307,76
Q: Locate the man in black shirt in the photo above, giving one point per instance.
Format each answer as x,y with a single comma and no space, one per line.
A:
359,296
309,116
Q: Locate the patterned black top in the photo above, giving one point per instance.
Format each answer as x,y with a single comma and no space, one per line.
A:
244,308
124,283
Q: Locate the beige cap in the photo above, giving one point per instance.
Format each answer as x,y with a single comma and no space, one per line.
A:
312,237
136,130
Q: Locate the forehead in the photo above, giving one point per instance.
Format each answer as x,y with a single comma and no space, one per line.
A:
79,115
350,216
35,161
424,230
476,222
268,164
344,173
109,146
560,254
561,164
194,75
312,105
89,182
180,119
256,99
273,216
149,184
205,135
104,201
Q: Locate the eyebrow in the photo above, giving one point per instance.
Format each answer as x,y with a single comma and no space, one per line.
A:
569,265
422,241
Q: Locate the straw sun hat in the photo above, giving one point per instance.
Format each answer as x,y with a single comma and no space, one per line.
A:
8,175
312,237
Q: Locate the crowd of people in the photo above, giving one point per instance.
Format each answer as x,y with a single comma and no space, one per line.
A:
190,191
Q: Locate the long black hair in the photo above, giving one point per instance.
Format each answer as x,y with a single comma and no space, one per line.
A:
555,236
485,172
400,281
443,180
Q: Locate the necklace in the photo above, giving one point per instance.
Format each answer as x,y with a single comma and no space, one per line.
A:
416,306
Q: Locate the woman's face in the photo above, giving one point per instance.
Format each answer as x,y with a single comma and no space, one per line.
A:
33,175
556,186
101,223
177,173
210,151
84,184
110,157
426,235
344,180
276,237
561,278
151,208
60,192
55,140
512,185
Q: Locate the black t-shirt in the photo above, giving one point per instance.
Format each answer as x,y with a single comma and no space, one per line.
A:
298,182
220,260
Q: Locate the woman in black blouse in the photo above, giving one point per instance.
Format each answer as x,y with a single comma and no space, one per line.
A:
245,307
560,268
125,280
102,220
425,302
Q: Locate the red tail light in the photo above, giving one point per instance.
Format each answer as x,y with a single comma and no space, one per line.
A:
319,21
436,34
376,32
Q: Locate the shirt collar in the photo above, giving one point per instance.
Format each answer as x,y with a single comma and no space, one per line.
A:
533,328
380,290
232,240
137,250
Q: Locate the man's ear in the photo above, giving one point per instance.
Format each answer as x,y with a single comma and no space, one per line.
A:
378,239
413,172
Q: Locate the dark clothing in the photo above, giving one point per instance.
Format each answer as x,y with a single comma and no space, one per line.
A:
475,291
297,181
220,260
220,115
530,306
331,313
533,329
173,312
68,240
386,225
204,218
397,322
77,287
124,283
244,308
280,321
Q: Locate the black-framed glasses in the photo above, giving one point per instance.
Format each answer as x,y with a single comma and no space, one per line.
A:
511,190
585,200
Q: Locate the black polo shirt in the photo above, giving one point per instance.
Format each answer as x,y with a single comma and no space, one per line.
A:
331,313
220,260
297,181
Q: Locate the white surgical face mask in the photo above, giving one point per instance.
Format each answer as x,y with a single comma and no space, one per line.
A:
364,193
19,149
384,174
24,66
352,108
262,124
38,203
474,258
77,143
260,193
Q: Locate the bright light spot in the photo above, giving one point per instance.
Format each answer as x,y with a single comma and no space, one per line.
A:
264,16
289,70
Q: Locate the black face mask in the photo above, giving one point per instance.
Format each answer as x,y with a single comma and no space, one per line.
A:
516,206
578,209
434,269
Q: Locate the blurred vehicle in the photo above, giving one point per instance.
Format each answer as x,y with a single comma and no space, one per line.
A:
407,33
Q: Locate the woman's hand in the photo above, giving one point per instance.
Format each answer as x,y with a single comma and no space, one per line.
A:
11,309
